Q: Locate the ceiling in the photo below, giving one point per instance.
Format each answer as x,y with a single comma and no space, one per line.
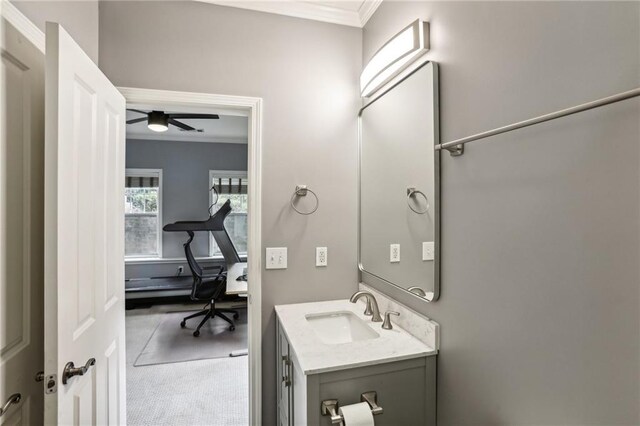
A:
353,13
227,129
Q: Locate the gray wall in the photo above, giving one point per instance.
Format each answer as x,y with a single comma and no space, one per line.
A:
540,296
185,187
307,73
79,18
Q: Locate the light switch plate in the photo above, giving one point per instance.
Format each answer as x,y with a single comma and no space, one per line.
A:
321,256
276,258
428,250
394,253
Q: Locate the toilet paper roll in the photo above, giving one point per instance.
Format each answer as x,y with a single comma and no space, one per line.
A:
357,414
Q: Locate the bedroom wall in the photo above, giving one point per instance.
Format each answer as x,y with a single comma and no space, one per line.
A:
185,190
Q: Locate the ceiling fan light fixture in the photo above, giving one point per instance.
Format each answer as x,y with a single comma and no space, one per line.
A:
158,121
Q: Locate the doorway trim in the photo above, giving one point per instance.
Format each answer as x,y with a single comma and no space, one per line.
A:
34,34
252,108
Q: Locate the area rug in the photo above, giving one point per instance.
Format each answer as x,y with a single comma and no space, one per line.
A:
170,343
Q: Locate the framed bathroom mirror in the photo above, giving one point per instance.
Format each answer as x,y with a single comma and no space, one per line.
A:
399,186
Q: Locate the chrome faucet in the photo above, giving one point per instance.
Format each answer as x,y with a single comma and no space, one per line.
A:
371,302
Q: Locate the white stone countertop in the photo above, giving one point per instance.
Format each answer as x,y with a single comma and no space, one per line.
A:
315,357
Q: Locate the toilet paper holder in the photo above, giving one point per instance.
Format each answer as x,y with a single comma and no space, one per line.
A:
329,407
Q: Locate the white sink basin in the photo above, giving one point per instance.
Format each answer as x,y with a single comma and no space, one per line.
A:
340,327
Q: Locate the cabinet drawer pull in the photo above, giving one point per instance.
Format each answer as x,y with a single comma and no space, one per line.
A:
286,379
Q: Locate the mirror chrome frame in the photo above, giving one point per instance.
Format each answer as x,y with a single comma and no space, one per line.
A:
365,275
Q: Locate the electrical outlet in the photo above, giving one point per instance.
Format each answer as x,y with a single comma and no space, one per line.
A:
276,258
428,250
321,256
394,253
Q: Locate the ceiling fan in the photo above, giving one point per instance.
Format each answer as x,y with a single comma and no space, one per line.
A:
159,121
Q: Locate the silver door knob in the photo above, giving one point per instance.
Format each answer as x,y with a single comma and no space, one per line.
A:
13,399
71,370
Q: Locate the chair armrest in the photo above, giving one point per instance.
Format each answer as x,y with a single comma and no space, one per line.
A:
218,271
218,275
204,268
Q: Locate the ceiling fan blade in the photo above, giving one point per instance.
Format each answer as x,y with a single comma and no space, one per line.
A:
195,116
138,111
137,120
179,124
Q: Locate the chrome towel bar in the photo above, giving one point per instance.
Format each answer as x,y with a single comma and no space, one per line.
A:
456,147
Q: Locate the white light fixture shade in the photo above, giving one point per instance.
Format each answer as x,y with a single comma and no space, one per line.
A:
158,121
158,127
394,57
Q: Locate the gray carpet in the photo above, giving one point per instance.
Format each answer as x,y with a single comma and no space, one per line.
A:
207,392
171,343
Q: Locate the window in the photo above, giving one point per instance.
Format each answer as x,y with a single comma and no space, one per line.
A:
142,213
230,186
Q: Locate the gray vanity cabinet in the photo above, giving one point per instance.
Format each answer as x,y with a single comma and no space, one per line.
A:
406,389
285,384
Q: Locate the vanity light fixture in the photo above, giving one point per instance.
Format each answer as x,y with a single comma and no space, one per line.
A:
394,57
158,121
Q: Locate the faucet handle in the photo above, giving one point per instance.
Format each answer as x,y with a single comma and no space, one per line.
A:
387,319
368,310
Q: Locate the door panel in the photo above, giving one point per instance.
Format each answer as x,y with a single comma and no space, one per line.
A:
84,254
112,383
78,220
83,401
17,287
111,216
20,416
21,223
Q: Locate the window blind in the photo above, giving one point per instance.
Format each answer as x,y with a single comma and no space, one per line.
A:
230,185
142,181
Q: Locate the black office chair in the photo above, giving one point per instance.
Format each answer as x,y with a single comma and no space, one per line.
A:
206,288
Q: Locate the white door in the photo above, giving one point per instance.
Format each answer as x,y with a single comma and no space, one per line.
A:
21,222
84,237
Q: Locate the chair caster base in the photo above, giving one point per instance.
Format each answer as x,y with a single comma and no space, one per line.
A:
232,328
236,316
196,333
183,324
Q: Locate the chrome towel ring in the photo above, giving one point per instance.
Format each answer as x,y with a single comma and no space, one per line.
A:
410,193
301,191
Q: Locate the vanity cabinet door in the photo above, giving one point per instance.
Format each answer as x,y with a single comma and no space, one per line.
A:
285,381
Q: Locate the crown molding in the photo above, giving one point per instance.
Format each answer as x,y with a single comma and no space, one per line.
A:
306,10
34,34
367,9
